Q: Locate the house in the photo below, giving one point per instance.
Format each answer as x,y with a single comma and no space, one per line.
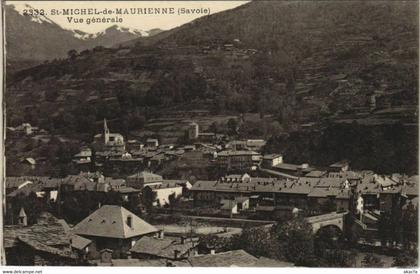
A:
185,184
24,129
78,183
255,144
343,200
238,160
30,161
45,243
237,145
193,131
163,191
141,179
323,197
152,143
293,169
133,145
228,207
270,160
390,199
112,227
242,203
207,137
343,165
83,159
84,154
385,182
264,191
160,247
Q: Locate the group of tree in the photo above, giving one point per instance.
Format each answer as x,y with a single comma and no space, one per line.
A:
384,149
292,241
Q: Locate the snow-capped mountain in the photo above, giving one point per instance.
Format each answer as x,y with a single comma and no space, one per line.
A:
34,39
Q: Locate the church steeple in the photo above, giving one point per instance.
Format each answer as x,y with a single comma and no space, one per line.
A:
106,132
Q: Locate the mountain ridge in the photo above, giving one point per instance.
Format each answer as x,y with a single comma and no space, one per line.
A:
48,40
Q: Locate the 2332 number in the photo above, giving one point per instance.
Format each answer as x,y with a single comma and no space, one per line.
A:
33,12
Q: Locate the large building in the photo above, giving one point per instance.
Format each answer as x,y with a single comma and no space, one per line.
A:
112,229
240,160
141,179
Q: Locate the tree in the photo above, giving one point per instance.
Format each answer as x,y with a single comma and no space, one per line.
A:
232,125
219,244
296,239
214,127
72,54
148,197
371,260
406,259
261,241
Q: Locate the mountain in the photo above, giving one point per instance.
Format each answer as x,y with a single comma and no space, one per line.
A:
34,39
304,63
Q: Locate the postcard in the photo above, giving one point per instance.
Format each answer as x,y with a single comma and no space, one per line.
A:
278,134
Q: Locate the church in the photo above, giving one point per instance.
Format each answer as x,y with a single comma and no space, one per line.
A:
110,141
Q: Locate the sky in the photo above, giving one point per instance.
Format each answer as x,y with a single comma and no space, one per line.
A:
140,22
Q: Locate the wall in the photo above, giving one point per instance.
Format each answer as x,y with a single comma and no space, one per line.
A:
162,195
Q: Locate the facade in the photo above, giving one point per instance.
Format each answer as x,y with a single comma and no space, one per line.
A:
238,160
270,160
193,131
163,192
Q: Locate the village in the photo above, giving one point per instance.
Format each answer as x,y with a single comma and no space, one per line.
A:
125,208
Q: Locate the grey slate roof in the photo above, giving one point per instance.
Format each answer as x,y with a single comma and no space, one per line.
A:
110,221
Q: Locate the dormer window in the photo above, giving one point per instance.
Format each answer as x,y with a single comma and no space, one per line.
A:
130,221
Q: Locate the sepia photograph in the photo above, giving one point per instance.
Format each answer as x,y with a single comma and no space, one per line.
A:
257,134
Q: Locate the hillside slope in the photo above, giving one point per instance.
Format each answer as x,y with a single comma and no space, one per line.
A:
301,61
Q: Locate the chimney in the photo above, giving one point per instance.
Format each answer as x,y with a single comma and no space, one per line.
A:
161,234
23,218
176,254
212,252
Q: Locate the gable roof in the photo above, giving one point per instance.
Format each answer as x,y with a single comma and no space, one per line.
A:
79,242
110,221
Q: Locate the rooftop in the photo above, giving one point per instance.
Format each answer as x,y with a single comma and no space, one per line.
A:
271,156
165,185
224,259
164,248
111,221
